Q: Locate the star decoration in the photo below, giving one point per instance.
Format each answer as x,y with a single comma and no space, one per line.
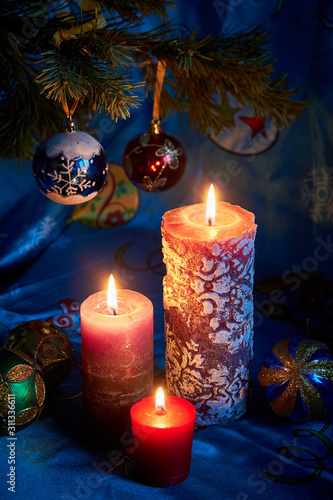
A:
228,111
256,123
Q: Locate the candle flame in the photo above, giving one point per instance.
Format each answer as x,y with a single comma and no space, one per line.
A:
160,400
210,210
112,295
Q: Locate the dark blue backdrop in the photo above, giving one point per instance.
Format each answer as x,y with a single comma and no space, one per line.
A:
284,177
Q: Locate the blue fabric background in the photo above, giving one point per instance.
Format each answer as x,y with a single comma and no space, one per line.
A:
288,187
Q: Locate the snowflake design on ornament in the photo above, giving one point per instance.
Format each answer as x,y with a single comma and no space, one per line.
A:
66,183
152,186
317,194
170,154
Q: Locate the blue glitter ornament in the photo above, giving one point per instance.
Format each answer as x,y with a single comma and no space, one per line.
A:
70,167
297,379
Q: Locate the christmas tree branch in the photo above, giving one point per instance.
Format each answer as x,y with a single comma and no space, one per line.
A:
135,9
208,69
89,58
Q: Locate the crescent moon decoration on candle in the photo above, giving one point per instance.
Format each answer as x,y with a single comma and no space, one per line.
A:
209,308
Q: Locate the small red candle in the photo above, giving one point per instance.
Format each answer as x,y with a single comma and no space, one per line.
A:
163,436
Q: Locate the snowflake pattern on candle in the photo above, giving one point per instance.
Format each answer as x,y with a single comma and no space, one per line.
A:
209,332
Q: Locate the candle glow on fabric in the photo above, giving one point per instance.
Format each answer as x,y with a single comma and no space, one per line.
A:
208,301
117,360
163,436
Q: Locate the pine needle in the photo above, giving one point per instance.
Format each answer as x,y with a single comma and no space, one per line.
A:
92,60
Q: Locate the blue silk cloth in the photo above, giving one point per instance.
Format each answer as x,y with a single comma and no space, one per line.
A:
48,267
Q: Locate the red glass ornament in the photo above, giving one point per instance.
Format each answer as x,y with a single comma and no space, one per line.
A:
154,161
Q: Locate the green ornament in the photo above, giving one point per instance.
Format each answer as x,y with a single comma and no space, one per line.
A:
48,346
22,391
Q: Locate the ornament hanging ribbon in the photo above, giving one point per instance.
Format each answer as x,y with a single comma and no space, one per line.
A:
60,35
161,65
69,112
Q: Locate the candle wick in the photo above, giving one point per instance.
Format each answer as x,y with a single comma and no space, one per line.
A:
210,222
114,312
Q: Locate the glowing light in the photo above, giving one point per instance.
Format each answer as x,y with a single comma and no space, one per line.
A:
210,210
112,296
160,400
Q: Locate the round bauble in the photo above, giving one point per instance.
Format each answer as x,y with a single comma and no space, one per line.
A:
70,167
154,161
48,346
116,204
22,391
297,379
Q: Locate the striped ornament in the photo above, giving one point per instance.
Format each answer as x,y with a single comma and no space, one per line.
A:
297,379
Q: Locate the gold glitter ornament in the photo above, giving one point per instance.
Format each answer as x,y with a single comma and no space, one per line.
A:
49,347
22,391
297,378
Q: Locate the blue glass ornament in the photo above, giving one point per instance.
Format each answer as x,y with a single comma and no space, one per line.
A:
70,167
297,379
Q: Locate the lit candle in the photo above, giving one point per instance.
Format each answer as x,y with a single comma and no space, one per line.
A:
210,208
208,297
163,436
117,360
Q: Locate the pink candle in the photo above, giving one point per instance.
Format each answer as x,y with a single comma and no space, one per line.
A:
117,361
209,308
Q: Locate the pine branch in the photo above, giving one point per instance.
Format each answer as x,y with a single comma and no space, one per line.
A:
206,70
85,58
24,116
85,68
136,9
170,104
